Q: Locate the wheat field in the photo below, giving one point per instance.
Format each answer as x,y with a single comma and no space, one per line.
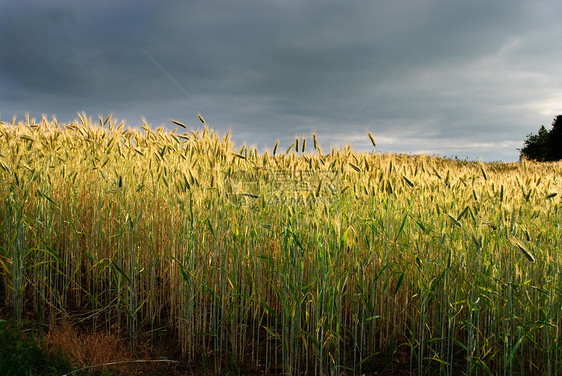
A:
290,261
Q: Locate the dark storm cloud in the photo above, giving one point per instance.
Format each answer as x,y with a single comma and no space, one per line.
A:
468,79
63,49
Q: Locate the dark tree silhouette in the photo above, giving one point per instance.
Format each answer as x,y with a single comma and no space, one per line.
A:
545,145
555,139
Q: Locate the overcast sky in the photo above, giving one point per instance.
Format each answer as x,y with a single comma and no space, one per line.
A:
454,78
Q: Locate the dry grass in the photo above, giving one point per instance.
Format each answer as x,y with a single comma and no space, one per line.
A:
95,352
85,349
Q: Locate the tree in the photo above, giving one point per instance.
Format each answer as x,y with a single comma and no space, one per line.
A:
545,145
555,139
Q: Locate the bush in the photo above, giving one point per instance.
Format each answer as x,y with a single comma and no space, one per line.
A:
20,353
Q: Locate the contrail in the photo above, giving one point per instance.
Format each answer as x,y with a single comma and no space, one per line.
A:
180,88
165,73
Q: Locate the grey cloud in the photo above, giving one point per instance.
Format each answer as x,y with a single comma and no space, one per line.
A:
474,73
66,50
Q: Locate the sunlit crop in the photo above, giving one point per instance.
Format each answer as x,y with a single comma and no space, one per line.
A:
289,261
